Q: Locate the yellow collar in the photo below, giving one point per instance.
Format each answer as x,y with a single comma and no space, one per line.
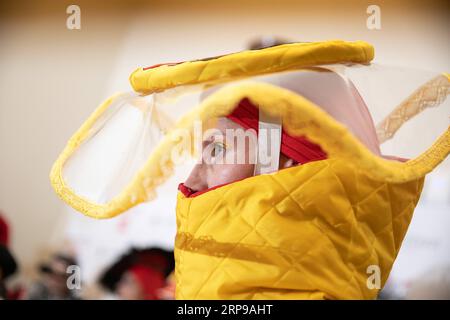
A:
320,230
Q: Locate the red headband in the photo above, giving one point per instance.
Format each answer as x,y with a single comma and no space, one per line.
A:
299,149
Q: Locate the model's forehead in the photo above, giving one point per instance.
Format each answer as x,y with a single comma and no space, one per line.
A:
223,123
220,124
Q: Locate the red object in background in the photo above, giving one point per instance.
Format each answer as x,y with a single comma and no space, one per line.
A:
150,266
149,279
4,232
8,265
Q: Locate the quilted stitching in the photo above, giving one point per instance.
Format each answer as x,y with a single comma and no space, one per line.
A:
359,235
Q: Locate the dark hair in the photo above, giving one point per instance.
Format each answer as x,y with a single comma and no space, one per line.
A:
8,264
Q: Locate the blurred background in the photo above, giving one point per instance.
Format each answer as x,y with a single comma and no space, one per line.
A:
52,78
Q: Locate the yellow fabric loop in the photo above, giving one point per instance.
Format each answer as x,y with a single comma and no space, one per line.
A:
250,63
300,117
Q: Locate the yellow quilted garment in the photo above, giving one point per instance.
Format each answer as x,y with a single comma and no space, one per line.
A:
307,232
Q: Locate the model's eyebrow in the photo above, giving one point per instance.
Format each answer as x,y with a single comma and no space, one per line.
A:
212,137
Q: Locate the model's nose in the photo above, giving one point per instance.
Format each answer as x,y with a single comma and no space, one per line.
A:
197,179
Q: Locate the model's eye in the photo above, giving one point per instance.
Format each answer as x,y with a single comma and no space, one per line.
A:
218,148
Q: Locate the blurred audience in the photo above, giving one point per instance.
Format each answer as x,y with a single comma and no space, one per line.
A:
141,274
8,265
140,283
53,282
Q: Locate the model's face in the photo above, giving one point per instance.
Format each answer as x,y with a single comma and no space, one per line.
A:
211,172
216,168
